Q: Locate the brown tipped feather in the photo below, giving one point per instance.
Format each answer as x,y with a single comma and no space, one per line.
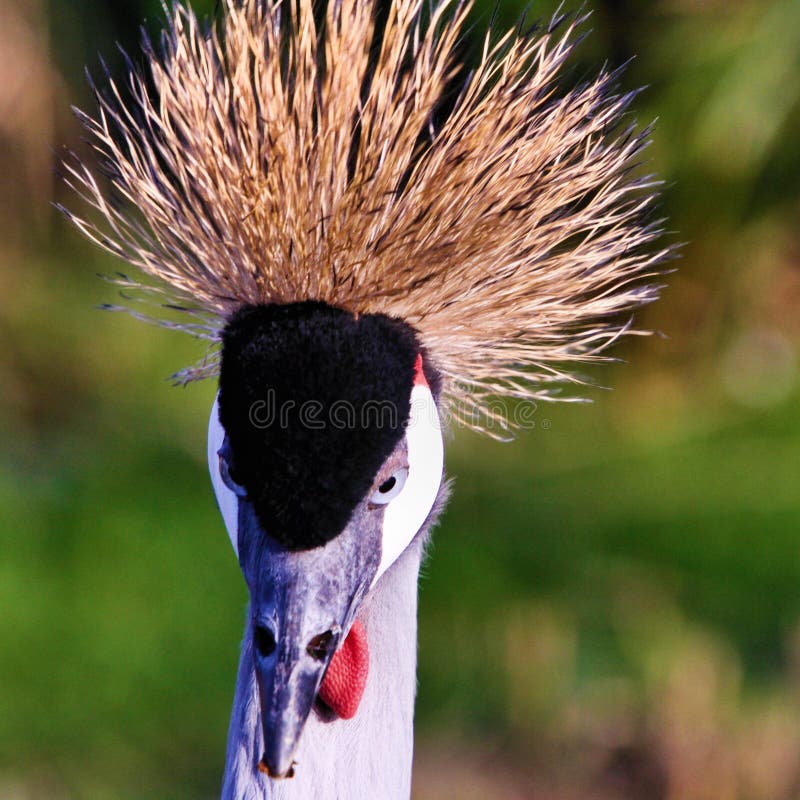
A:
272,159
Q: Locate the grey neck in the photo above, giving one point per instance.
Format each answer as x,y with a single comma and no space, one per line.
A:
366,758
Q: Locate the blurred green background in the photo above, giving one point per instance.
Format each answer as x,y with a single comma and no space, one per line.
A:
612,605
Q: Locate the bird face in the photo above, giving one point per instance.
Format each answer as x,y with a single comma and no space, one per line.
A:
326,455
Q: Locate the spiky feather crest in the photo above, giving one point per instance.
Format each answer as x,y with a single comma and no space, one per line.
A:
275,157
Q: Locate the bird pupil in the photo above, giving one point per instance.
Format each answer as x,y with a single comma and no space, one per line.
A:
387,485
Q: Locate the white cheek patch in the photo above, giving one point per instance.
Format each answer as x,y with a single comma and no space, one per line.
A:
227,500
405,515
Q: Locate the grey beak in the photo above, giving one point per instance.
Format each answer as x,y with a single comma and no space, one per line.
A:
293,643
301,603
289,699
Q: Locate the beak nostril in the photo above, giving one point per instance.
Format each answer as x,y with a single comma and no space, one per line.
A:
264,641
320,646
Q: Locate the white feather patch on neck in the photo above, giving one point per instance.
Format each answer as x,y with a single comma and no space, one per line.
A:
406,514
227,500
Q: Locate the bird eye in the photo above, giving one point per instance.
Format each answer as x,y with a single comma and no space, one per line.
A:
227,479
390,488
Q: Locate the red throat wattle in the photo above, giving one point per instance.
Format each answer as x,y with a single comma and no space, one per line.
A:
344,683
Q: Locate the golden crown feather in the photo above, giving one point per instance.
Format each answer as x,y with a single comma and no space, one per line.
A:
277,156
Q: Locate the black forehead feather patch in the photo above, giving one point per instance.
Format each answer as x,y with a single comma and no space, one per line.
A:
313,400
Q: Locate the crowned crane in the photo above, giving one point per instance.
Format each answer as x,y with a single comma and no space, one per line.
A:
374,242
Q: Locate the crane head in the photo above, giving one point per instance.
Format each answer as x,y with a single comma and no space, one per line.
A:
326,455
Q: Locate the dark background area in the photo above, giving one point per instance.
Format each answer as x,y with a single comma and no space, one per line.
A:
612,603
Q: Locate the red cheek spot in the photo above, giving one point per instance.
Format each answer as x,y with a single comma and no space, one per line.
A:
346,678
419,373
